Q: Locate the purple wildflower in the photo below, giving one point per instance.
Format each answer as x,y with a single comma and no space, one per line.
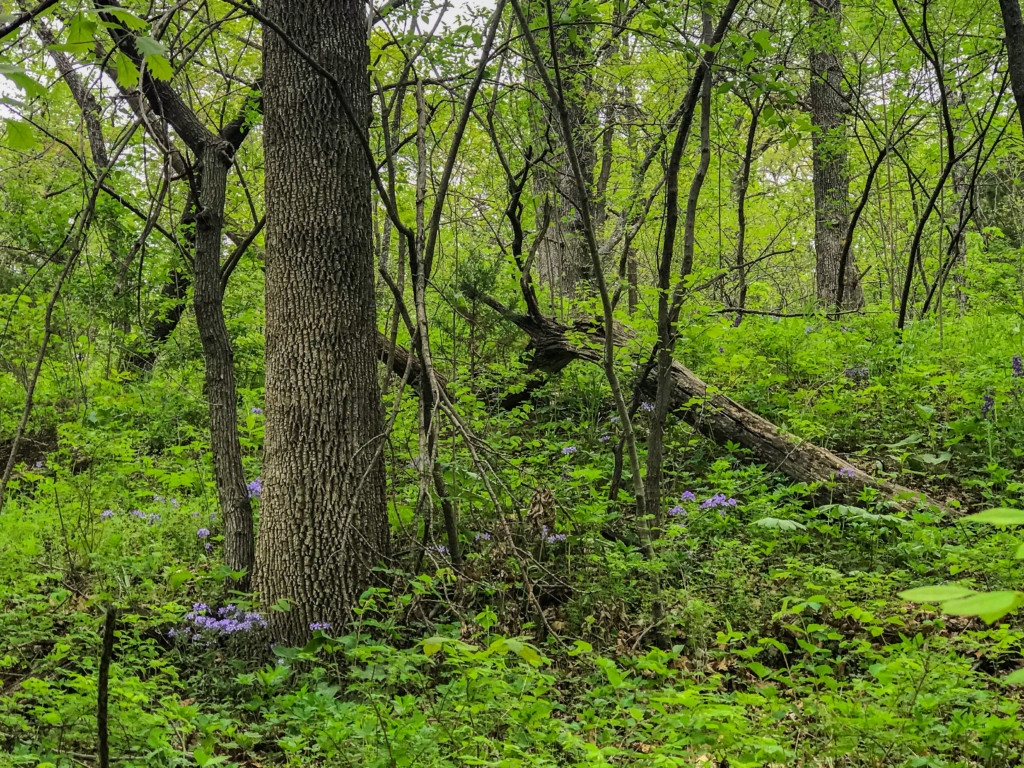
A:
256,410
1018,367
158,498
613,420
569,450
228,620
37,465
202,533
688,496
106,514
721,350
645,406
718,500
195,514
737,321
441,549
605,438
677,511
856,373
847,472
482,537
153,518
988,403
808,329
213,517
174,502
255,488
138,513
321,626
209,546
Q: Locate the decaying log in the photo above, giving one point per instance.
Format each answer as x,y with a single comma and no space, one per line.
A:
554,345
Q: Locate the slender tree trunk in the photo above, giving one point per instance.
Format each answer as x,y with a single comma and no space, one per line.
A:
831,174
208,296
324,522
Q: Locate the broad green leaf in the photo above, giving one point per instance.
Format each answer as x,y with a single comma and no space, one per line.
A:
988,606
780,524
998,516
159,67
432,645
20,135
581,646
127,72
81,33
937,594
1015,678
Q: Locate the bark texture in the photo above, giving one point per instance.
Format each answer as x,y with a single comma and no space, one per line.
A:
1013,26
324,523
831,174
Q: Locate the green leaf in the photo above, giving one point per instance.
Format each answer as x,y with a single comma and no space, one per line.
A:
159,67
149,46
1015,678
936,594
988,606
432,645
780,524
581,646
998,516
81,32
759,669
1019,554
127,72
20,135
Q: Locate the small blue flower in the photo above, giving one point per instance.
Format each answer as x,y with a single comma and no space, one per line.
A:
808,329
569,450
605,438
988,403
847,472
202,533
688,496
106,514
482,537
677,511
1018,367
321,626
645,406
255,488
257,411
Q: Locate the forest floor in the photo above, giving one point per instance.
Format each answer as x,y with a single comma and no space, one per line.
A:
785,641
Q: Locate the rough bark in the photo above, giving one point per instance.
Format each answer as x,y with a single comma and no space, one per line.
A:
207,299
324,522
1013,26
831,174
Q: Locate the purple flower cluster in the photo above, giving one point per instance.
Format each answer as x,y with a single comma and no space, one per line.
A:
151,518
321,626
847,472
552,538
257,411
106,514
482,537
988,403
441,549
808,329
569,450
605,438
1018,367
688,496
677,511
202,533
856,373
737,321
255,488
648,407
228,620
718,500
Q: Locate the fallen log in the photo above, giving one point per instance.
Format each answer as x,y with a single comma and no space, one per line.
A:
717,417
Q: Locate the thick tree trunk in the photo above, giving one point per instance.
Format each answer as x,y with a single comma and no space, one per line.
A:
831,174
324,523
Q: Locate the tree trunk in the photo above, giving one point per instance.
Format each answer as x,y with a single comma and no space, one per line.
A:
208,295
324,521
831,175
1013,26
